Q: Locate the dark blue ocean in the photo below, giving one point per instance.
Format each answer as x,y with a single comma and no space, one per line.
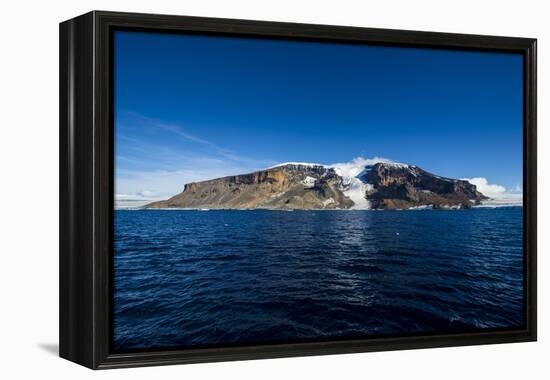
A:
195,278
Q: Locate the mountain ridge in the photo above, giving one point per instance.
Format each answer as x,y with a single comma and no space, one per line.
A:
298,185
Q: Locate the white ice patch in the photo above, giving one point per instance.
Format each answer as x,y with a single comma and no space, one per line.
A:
309,182
396,164
451,207
421,207
359,164
328,202
351,172
309,164
356,192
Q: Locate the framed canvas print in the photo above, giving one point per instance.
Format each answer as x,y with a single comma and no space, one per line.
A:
237,189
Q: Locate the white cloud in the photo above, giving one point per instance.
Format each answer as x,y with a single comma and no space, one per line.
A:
146,184
147,193
486,188
139,196
181,132
354,167
124,200
499,194
146,169
162,184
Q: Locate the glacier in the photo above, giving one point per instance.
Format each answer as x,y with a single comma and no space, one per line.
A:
353,175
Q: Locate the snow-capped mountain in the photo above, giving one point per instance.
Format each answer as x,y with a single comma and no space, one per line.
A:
359,184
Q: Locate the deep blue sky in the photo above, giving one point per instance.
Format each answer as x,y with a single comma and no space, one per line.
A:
192,107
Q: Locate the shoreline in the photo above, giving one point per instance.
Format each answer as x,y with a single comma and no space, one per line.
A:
417,208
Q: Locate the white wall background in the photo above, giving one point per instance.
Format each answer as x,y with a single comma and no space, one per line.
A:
29,187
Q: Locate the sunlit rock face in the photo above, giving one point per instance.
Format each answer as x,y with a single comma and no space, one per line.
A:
382,185
290,186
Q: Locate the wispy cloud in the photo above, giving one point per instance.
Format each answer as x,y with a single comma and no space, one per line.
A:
518,189
155,168
144,195
138,199
182,133
498,193
160,184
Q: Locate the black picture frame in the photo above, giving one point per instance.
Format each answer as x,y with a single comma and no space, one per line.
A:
86,184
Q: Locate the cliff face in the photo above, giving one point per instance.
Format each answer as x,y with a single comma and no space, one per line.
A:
406,186
283,187
301,186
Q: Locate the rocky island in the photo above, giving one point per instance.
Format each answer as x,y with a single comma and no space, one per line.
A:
383,185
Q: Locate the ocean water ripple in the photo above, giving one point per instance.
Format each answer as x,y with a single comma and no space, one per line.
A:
186,278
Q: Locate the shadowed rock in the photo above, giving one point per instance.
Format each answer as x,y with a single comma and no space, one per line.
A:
405,186
300,186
